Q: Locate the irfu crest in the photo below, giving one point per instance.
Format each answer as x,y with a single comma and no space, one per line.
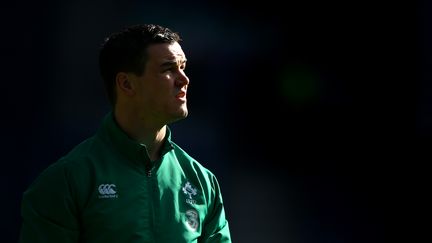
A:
189,190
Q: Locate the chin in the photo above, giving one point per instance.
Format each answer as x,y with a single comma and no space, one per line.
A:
179,116
184,114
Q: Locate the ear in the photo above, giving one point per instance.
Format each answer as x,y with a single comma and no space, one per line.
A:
124,83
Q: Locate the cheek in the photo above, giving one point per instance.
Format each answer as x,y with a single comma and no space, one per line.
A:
157,90
167,76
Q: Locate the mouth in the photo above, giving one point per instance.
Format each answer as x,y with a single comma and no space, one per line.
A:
181,94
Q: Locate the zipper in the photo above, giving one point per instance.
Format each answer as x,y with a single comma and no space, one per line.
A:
149,170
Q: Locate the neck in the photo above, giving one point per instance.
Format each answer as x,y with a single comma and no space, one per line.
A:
142,131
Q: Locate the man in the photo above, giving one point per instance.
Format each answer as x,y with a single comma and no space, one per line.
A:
130,182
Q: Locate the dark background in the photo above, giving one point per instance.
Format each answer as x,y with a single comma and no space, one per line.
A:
299,107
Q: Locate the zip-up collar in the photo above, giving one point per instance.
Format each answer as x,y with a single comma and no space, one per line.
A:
133,150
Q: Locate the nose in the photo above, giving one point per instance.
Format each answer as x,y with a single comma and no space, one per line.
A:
182,79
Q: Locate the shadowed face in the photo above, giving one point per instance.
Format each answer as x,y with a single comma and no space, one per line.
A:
161,89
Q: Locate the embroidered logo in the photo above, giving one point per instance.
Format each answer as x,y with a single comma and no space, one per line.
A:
107,191
192,219
190,191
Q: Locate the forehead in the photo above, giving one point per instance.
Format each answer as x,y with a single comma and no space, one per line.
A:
166,52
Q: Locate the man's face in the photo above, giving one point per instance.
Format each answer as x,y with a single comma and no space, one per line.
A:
161,89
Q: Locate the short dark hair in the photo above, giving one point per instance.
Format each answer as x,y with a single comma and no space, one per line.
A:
126,51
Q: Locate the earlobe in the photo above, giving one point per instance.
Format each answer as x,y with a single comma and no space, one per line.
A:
124,84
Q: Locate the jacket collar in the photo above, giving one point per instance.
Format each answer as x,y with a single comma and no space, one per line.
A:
130,148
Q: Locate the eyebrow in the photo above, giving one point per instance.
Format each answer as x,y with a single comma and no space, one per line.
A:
171,63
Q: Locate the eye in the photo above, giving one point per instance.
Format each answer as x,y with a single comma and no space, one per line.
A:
169,69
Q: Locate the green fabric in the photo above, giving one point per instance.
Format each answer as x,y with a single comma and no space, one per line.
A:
107,190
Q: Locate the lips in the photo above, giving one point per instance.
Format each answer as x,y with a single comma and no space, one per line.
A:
181,95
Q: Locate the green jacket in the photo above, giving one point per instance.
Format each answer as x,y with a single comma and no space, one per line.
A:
107,190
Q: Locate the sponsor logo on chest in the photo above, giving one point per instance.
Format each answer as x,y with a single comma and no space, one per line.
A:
107,191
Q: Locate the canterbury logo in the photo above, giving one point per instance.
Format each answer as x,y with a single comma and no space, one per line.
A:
107,191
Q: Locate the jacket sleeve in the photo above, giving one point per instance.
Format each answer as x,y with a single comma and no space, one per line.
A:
47,209
216,228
